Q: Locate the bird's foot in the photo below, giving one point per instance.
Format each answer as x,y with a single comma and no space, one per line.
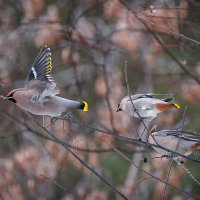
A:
68,116
53,120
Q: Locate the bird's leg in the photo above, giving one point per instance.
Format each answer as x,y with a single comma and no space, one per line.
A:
43,121
63,126
53,120
68,116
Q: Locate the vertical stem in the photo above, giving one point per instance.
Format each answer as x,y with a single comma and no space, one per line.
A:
131,176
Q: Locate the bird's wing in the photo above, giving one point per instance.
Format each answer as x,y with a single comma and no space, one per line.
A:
186,135
146,96
42,89
41,67
40,78
168,99
136,96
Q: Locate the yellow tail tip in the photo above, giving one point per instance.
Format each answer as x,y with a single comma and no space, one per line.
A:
176,105
85,107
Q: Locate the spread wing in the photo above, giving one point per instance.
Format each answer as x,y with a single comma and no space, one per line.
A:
40,77
41,67
42,89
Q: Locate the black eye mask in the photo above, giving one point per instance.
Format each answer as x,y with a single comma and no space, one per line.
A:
10,97
13,100
118,109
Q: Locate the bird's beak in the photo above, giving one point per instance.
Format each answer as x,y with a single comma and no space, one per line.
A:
118,109
4,97
8,98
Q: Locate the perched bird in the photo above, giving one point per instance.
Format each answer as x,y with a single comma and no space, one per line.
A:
39,96
145,106
183,142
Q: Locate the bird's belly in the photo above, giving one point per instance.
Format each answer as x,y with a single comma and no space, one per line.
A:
45,108
169,143
145,113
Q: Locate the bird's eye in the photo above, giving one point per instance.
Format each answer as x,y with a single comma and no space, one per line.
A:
118,109
10,94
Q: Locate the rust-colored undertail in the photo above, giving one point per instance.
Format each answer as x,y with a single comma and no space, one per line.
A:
166,106
194,147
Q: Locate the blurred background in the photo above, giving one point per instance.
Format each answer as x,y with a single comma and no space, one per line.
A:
93,43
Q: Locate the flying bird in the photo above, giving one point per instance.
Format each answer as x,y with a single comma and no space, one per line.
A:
145,106
40,94
183,142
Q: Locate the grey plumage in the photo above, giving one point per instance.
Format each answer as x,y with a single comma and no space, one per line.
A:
39,96
145,106
41,67
183,142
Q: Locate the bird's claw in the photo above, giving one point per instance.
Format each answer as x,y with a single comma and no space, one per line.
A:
68,115
53,119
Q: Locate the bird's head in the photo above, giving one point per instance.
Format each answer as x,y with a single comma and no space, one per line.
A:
11,96
119,108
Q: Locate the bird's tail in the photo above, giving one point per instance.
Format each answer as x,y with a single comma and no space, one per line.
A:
83,106
176,105
166,106
194,147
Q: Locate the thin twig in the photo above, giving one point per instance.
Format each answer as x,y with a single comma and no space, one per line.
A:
41,135
59,185
145,22
172,156
77,157
168,174
106,80
188,172
131,140
147,173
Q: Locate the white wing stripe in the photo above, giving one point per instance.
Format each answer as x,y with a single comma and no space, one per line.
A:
34,72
